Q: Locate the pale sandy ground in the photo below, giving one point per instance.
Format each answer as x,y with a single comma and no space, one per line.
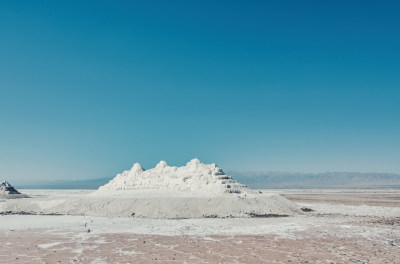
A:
347,226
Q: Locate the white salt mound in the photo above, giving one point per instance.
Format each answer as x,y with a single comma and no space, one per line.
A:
194,177
9,192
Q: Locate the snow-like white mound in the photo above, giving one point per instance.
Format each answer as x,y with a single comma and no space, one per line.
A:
7,191
194,177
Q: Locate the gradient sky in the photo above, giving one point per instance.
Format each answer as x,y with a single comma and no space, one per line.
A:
87,88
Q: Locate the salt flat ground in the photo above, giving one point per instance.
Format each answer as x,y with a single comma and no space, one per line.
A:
346,226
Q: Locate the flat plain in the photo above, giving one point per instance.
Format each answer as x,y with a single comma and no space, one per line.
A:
337,226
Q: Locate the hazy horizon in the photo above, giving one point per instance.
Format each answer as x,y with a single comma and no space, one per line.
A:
255,180
243,172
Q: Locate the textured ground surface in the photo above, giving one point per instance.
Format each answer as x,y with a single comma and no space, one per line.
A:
380,197
150,204
335,232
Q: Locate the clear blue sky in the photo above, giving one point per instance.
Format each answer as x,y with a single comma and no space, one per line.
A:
87,88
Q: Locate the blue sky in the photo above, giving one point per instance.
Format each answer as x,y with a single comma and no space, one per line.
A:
87,88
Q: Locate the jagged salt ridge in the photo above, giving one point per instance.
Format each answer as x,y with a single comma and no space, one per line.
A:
194,177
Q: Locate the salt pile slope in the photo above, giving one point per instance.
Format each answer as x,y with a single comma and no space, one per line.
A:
195,177
9,192
192,191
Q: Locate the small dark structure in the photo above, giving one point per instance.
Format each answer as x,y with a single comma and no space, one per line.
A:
7,191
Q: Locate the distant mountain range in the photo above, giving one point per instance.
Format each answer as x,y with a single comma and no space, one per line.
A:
316,180
260,180
71,184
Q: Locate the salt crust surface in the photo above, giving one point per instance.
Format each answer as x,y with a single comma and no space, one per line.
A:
286,226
